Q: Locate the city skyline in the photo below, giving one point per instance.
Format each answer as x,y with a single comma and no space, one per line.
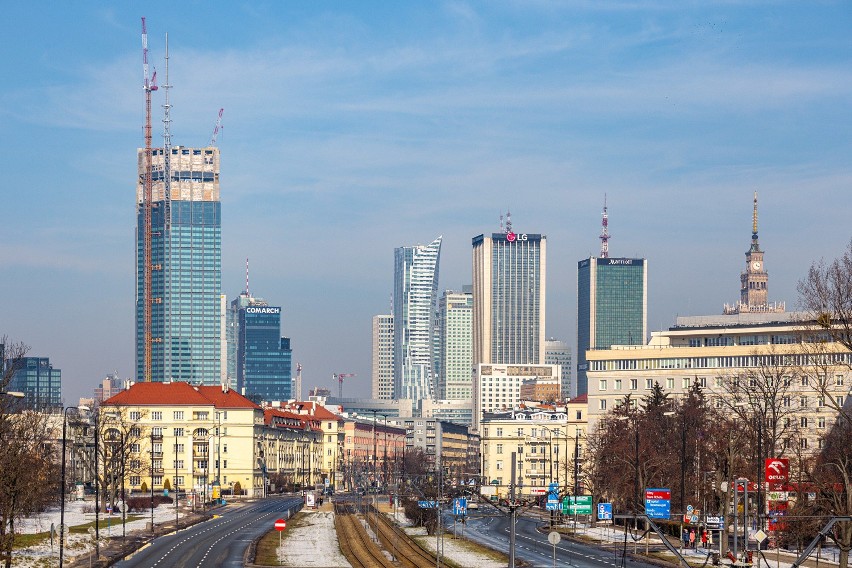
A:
338,123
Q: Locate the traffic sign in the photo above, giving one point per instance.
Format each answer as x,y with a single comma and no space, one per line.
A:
554,537
460,506
280,525
658,503
577,505
427,504
604,511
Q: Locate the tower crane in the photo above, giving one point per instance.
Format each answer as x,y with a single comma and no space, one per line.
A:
149,86
217,128
339,377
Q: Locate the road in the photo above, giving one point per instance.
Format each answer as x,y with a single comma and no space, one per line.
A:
221,541
533,547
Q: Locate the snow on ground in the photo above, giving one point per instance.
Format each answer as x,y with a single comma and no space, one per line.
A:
77,513
313,543
456,550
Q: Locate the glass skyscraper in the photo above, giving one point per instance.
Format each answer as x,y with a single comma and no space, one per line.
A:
39,381
612,307
414,304
186,258
509,298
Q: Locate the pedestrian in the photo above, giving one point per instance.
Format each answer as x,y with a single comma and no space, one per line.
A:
685,537
692,538
704,538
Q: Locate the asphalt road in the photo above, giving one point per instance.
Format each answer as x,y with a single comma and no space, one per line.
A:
532,546
221,541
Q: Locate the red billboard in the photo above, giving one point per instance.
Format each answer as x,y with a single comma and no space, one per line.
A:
776,472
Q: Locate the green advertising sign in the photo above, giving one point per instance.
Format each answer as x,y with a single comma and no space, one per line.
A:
579,505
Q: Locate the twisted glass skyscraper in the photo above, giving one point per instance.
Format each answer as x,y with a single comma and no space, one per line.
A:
186,258
414,311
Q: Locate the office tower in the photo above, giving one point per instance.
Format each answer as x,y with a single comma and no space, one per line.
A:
509,298
38,380
109,387
186,256
558,352
382,383
754,281
262,359
454,356
414,301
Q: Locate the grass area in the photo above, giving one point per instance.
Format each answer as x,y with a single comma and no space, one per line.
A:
266,553
481,549
33,539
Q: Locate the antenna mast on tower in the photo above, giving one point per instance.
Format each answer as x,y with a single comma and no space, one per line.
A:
147,199
217,128
604,232
247,282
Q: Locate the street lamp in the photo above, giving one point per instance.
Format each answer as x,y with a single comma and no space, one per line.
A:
62,485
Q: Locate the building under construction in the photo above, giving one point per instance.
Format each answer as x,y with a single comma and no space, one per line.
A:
185,265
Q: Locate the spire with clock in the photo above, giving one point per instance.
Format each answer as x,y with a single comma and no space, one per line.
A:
754,282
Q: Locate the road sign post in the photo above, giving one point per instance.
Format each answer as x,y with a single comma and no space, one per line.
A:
280,525
554,538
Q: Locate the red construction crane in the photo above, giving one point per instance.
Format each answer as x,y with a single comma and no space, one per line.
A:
340,377
147,199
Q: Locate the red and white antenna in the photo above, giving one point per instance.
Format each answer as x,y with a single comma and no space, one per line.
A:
604,232
217,128
247,274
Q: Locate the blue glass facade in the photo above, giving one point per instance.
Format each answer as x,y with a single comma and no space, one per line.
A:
39,381
612,307
186,287
264,358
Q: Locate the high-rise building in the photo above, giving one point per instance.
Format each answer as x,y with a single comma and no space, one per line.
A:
38,380
414,302
262,359
186,257
509,298
558,352
754,281
382,383
612,307
454,356
109,387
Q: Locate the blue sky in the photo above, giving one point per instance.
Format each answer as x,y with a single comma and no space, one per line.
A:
351,128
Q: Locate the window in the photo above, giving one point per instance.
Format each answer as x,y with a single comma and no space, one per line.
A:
200,415
177,464
224,464
157,415
178,415
684,383
135,431
838,380
803,443
821,422
839,400
579,417
602,385
224,448
803,422
179,448
617,385
805,381
520,431
786,401
633,384
499,432
670,383
178,480
134,448
157,432
803,401
135,464
499,464
135,480
602,405
158,448
157,480
499,448
135,416
649,383
179,432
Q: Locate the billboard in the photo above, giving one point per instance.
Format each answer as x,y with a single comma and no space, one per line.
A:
658,503
776,472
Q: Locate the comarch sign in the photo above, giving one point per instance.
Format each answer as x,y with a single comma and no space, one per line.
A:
262,310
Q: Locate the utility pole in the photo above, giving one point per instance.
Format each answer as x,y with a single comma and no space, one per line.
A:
513,508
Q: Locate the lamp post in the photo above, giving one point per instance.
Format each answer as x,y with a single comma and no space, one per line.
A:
62,486
152,481
97,490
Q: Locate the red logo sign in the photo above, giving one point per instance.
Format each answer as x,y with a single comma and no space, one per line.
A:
280,525
658,494
510,236
742,484
777,470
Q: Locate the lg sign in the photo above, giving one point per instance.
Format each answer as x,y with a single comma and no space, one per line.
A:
512,237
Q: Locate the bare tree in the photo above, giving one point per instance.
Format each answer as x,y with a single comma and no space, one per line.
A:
825,295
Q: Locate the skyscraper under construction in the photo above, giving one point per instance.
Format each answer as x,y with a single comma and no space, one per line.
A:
186,258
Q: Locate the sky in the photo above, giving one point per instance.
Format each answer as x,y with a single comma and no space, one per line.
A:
352,128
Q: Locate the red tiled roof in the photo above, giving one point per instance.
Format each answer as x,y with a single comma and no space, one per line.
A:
177,394
583,398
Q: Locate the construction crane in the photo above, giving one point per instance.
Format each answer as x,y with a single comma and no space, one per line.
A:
217,128
149,86
339,377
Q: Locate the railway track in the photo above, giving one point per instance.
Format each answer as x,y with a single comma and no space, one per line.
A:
404,549
355,544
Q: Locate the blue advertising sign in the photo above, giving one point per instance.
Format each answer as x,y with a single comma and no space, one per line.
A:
604,511
460,506
658,503
427,504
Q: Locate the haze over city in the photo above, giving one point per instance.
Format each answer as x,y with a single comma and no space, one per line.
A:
352,129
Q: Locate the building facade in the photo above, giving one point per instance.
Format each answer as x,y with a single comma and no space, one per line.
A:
509,298
263,359
498,387
455,345
39,381
414,304
612,307
558,352
382,378
718,352
186,259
